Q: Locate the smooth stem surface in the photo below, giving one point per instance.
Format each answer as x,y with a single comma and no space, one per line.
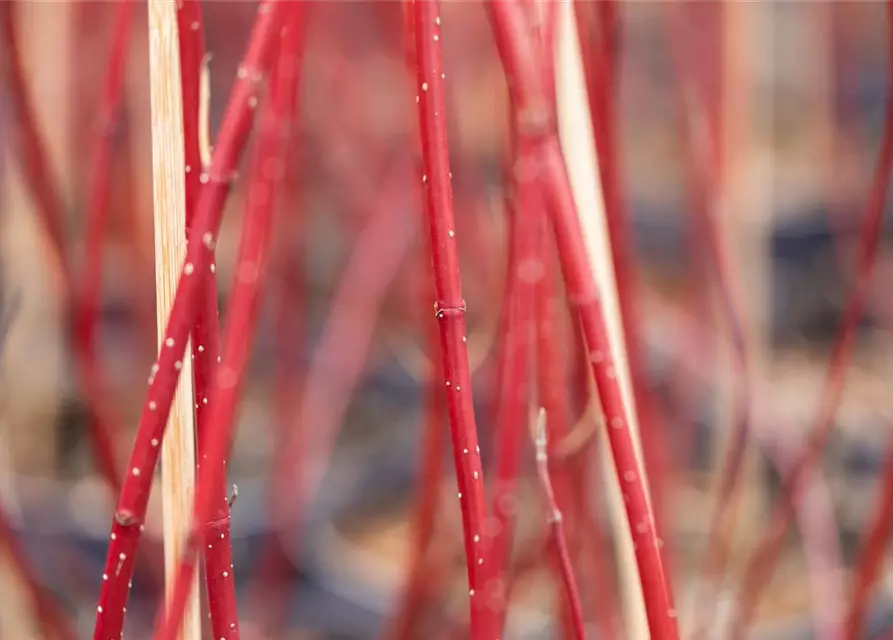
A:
759,570
222,609
649,557
131,508
449,307
267,171
599,64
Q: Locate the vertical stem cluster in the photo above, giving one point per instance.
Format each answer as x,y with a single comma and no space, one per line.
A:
601,85
449,308
535,117
268,169
133,500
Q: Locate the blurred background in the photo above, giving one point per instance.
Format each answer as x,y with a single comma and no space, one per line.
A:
341,350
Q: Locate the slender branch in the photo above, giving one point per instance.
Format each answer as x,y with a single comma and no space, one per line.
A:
449,308
556,527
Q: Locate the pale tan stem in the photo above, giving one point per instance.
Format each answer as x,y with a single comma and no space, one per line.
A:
169,191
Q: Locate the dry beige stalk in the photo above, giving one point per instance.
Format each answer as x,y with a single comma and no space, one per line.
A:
169,191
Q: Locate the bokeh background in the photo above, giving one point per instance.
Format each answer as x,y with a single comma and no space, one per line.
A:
805,85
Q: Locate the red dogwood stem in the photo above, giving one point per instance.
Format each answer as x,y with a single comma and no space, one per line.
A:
449,308
222,608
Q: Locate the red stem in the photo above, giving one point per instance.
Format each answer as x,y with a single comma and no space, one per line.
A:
601,59
131,508
760,569
568,472
222,607
556,531
268,590
449,308
267,172
536,119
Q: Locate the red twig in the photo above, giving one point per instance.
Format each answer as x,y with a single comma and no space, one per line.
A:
222,609
268,169
556,527
759,571
601,85
535,117
449,308
131,508
574,492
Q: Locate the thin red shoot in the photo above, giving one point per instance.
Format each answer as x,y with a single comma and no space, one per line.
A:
536,118
222,609
449,308
556,528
